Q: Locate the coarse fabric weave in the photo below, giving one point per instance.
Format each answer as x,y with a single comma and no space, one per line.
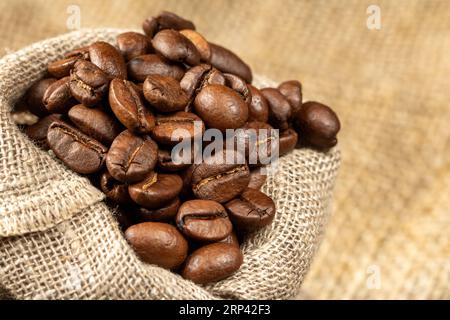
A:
59,240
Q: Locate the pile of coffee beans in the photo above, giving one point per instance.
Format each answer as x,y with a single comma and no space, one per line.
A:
114,113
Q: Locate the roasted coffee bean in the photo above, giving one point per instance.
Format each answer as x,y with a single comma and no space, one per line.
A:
212,262
231,239
115,190
61,68
109,59
260,142
166,213
164,93
238,85
35,96
95,123
141,67
218,179
128,105
196,78
257,178
174,46
288,141
88,83
78,151
158,243
156,190
317,125
57,97
180,126
38,131
280,110
203,220
258,109
81,53
166,163
131,157
165,20
221,107
227,61
252,210
292,90
133,44
199,42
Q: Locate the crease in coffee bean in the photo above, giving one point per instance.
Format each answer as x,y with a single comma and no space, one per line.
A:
77,138
133,155
151,181
174,119
137,102
83,85
204,181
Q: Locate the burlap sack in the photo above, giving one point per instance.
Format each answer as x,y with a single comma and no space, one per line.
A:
58,240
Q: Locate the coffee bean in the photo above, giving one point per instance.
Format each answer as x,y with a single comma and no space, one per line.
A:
158,243
141,67
61,68
180,126
219,180
288,141
238,85
199,42
196,78
114,190
166,213
95,123
258,109
292,90
164,93
212,263
133,44
166,163
131,157
88,83
221,107
38,131
156,190
260,142
174,46
35,96
165,20
227,61
280,110
128,105
81,53
78,151
257,178
109,59
317,125
203,220
252,210
58,98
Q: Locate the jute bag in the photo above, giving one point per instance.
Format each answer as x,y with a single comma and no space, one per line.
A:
59,240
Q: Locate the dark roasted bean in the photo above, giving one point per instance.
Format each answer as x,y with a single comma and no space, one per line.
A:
251,210
128,105
280,110
227,61
35,96
174,46
166,213
212,263
109,59
58,98
78,151
177,127
158,243
95,123
292,90
131,157
258,109
115,190
203,220
164,93
133,44
141,67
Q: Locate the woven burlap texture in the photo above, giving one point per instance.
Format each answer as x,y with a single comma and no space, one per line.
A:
59,240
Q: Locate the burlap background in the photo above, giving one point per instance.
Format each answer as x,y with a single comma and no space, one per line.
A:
389,237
